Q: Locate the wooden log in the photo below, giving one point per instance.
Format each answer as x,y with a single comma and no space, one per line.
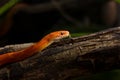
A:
67,59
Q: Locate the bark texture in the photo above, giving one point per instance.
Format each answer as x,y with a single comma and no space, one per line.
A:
67,59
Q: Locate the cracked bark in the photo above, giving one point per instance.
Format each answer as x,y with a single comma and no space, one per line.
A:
67,59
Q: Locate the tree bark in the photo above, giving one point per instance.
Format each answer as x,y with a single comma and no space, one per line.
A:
67,59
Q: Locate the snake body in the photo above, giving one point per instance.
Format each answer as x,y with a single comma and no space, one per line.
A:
38,46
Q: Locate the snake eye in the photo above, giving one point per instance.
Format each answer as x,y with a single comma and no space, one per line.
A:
62,33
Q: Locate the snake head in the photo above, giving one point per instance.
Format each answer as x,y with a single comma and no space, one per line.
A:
57,35
54,36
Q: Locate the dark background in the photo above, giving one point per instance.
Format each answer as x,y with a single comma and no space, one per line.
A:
32,26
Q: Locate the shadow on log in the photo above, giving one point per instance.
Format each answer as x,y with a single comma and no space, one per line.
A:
67,59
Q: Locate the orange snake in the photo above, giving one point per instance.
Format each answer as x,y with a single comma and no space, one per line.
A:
39,46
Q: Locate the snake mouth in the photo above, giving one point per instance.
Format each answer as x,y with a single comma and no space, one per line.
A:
68,37
63,39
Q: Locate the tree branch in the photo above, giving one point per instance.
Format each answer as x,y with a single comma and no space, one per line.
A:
66,59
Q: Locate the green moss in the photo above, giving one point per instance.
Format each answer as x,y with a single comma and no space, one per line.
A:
109,75
118,1
79,34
